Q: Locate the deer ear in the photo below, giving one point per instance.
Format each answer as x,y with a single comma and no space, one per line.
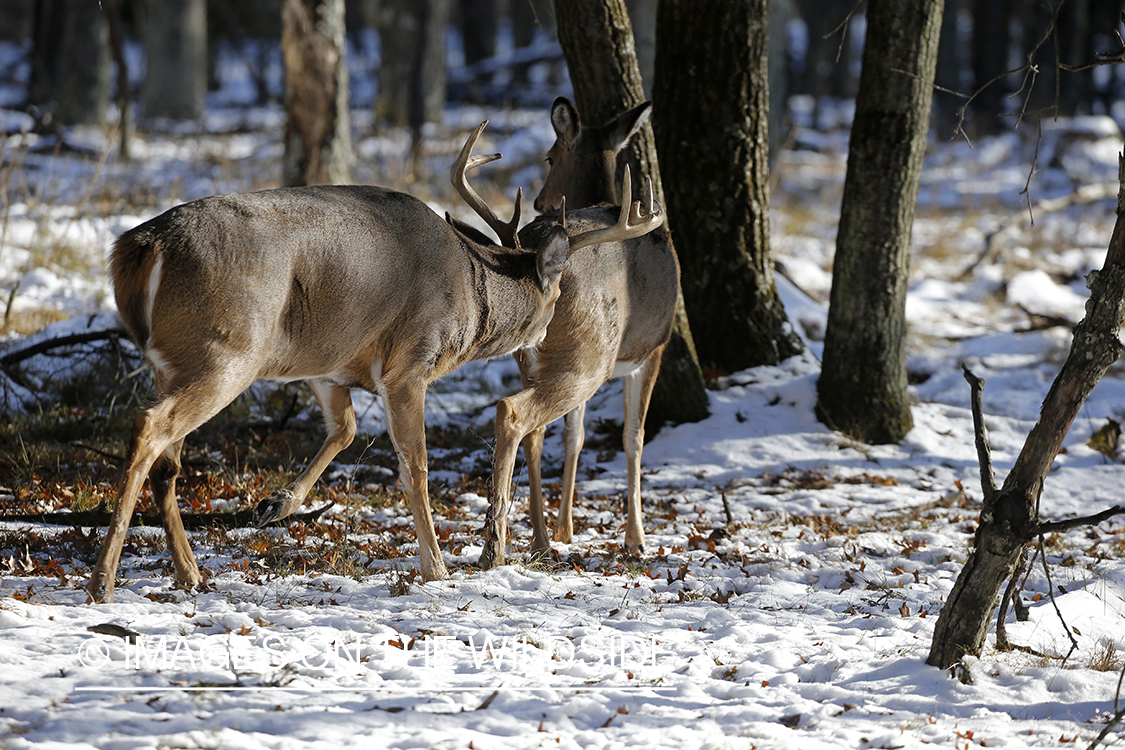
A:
551,258
564,118
618,132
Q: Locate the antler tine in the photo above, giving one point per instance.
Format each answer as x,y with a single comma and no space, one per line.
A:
465,161
630,222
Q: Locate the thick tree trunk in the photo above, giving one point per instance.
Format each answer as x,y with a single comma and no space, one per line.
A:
710,117
70,63
597,40
862,387
1008,519
175,84
317,128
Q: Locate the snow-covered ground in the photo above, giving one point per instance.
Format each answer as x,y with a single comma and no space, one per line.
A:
793,576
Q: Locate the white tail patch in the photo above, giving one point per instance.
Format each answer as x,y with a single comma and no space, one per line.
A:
150,291
621,369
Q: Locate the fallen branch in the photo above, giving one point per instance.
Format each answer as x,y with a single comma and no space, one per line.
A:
42,347
100,517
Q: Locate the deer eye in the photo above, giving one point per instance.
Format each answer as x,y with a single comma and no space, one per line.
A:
550,161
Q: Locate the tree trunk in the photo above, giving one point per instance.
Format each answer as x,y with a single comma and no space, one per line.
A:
175,83
412,70
989,51
317,127
862,387
478,29
70,63
710,120
597,41
1008,519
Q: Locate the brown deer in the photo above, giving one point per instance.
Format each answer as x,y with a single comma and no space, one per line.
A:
613,318
341,286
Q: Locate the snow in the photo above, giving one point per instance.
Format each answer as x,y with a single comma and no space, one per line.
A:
793,575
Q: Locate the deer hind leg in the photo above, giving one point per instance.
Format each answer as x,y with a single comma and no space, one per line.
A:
162,479
638,392
156,432
405,411
533,453
575,436
339,419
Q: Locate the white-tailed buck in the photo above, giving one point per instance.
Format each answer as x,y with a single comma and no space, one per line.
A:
341,286
613,318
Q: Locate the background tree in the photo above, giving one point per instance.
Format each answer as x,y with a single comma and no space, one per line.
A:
175,35
710,110
70,63
597,39
317,127
862,387
412,68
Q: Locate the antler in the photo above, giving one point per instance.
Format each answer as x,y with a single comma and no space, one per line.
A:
634,221
465,161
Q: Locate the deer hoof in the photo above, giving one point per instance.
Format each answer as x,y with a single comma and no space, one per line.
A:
635,550
99,591
272,508
491,556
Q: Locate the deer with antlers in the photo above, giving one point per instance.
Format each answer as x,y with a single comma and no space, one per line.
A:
340,286
613,318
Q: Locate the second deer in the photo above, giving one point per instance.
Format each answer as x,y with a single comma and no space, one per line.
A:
613,318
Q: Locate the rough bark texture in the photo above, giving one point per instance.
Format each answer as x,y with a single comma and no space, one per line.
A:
175,83
317,127
597,41
1008,519
862,386
710,110
70,63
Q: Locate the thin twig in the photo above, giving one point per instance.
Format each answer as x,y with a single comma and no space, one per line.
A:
1055,604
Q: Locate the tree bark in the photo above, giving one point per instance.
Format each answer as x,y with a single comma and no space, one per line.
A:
710,118
317,128
989,58
597,41
412,72
175,83
862,387
70,63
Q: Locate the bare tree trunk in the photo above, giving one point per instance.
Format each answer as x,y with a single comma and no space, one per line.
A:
989,50
710,117
175,83
862,387
597,40
70,63
1008,519
317,128
122,98
412,71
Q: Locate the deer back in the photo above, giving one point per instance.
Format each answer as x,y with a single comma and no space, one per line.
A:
351,282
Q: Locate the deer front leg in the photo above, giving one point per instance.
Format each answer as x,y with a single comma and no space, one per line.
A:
533,454
339,419
575,438
404,405
504,459
638,391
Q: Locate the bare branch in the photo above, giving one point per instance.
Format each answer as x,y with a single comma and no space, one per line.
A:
1070,523
984,453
